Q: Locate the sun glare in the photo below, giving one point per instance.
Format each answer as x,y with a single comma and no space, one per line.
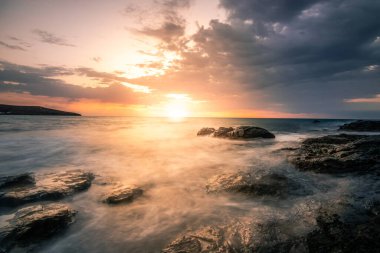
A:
177,108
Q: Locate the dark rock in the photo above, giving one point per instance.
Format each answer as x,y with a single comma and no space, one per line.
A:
34,223
333,235
50,186
242,132
17,180
206,131
316,121
362,125
330,235
124,194
273,184
339,154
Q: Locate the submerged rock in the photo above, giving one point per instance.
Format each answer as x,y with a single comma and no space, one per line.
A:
47,187
362,125
339,154
242,132
268,185
124,194
34,223
17,180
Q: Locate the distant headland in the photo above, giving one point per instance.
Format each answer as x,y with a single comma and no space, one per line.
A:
32,110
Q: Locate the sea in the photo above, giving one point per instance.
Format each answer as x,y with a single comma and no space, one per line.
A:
172,164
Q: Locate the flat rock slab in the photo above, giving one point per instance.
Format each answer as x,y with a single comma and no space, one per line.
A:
273,184
32,224
362,126
241,132
125,194
338,154
49,186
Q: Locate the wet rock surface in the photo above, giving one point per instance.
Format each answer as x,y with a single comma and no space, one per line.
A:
273,184
17,180
339,154
362,125
51,186
229,239
34,223
241,132
125,194
331,234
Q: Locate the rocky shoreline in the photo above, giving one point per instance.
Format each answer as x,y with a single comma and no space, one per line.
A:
40,214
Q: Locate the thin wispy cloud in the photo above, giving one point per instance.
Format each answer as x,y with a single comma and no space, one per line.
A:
10,46
50,38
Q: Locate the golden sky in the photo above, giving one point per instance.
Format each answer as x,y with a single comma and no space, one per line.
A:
172,57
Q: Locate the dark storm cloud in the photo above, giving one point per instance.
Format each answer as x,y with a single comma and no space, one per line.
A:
51,38
41,81
307,55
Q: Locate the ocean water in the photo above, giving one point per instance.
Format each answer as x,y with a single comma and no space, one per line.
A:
172,164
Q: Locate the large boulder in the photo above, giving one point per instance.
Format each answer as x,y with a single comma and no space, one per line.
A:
49,186
338,154
362,125
241,132
32,224
123,194
273,184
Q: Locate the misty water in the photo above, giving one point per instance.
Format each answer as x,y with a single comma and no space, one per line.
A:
172,165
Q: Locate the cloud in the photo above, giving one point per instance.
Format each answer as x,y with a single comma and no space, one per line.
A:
14,47
51,38
96,59
306,55
42,82
375,99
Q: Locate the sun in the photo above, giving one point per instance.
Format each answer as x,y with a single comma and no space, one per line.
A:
176,111
177,106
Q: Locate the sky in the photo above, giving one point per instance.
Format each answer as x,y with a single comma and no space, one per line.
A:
214,58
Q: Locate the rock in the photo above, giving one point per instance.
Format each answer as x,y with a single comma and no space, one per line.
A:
17,180
124,194
232,182
316,121
222,131
338,154
206,131
273,184
362,125
34,223
330,235
334,235
242,132
50,186
208,239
